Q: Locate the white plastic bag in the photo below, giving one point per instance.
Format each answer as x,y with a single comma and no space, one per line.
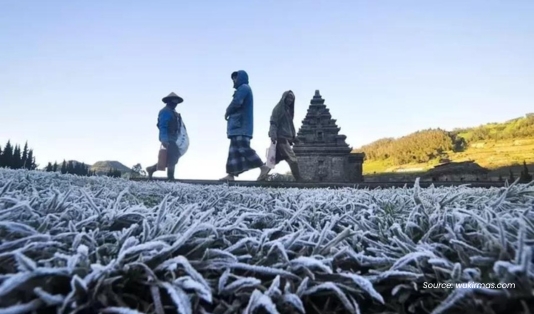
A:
271,156
183,139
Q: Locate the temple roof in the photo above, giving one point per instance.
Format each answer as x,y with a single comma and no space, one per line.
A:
319,133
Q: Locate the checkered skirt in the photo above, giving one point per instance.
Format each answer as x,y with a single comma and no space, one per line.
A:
241,156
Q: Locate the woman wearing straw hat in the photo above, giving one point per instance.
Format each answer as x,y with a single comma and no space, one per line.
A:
169,123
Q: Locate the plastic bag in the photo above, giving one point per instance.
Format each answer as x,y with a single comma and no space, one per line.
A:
162,159
271,156
183,139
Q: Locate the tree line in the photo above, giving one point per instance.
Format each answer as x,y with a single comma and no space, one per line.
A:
516,128
13,157
425,145
420,146
79,169
70,167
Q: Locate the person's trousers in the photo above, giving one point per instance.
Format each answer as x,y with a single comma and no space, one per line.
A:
173,155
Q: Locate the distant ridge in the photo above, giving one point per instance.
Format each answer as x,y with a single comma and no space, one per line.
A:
102,167
501,147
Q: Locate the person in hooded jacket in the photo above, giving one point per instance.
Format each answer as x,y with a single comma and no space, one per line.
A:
282,133
240,128
169,125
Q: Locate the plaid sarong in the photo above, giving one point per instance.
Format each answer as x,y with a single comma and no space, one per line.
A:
241,156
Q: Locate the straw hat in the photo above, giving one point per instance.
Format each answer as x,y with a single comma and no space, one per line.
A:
172,95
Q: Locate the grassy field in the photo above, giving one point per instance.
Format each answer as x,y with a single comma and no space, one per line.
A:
495,155
87,245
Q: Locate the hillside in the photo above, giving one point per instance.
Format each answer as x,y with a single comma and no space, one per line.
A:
102,167
496,146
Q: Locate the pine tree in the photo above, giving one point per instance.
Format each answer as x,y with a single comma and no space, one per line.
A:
17,161
30,162
49,167
7,156
511,178
55,166
64,167
84,170
70,167
24,156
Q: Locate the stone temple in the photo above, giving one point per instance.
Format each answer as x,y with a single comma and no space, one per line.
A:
322,153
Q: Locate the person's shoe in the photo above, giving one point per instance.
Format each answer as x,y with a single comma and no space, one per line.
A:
170,174
264,173
228,178
150,171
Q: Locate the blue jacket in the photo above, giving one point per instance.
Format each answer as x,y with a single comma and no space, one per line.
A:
240,112
168,125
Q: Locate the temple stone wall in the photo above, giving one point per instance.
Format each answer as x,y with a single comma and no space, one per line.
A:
323,168
322,153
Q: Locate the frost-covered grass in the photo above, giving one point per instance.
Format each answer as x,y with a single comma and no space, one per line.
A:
88,245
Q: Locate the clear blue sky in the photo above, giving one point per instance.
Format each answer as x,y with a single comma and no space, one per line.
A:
83,80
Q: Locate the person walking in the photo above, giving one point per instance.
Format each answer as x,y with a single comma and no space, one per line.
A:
240,128
169,124
282,133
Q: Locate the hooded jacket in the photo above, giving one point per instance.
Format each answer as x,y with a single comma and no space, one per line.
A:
240,112
282,126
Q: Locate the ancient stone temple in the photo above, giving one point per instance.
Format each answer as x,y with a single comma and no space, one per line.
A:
322,152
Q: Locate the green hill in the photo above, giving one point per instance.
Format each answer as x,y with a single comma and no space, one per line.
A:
495,146
102,167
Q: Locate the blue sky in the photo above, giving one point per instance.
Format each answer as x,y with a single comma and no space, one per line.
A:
83,80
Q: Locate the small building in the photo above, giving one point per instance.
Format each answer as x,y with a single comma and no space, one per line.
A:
457,171
322,153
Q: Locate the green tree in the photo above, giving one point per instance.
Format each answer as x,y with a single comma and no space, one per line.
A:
12,157
137,171
84,169
64,167
113,173
30,162
70,167
17,158
24,156
49,167
7,156
77,169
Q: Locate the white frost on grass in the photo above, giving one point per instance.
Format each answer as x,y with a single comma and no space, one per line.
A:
114,246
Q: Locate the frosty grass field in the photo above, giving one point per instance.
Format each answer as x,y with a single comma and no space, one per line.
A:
98,245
